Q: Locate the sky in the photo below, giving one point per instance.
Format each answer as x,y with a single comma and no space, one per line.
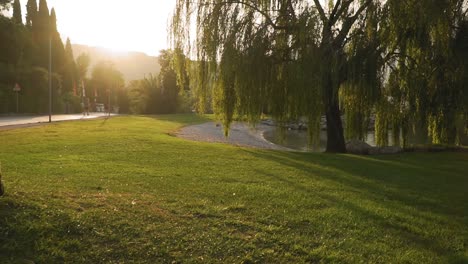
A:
119,25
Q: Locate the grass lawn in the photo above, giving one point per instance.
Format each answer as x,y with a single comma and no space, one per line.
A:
125,191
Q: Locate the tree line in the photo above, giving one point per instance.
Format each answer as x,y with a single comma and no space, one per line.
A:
402,64
24,59
30,47
162,94
27,47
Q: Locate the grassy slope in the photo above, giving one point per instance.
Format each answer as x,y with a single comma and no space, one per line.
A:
123,190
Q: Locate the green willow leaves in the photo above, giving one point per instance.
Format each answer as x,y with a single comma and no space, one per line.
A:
402,64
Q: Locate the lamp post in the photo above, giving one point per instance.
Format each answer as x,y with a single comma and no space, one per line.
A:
109,101
50,77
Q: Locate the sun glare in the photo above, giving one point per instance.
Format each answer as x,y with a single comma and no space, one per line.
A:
114,24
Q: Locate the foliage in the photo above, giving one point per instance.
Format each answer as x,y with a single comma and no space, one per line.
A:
31,8
70,79
170,89
4,4
294,59
163,94
24,60
425,93
82,63
17,16
125,189
107,87
260,57
142,94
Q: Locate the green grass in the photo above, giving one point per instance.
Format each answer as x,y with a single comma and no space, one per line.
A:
126,191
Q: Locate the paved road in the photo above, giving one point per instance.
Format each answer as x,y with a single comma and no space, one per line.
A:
25,120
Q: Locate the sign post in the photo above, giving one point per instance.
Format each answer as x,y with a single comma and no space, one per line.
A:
17,89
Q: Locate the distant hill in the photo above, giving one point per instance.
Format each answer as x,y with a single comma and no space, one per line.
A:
133,65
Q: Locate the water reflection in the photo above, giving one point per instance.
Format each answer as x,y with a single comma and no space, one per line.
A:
298,139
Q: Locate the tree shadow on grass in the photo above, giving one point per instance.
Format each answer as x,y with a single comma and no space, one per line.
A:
30,233
417,184
17,233
104,121
184,119
409,189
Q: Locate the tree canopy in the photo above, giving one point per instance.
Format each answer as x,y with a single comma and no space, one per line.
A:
293,59
17,16
107,86
24,60
162,94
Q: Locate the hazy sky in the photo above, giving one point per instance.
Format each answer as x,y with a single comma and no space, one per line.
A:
121,25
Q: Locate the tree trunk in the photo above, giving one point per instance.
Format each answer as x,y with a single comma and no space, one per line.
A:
332,54
335,135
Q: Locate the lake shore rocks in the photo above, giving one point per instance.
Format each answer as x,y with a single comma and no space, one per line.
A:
359,147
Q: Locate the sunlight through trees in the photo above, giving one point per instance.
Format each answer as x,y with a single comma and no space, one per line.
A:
398,63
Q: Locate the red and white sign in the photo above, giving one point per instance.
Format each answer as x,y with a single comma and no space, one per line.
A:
17,88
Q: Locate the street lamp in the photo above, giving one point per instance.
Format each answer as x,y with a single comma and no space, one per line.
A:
50,77
109,101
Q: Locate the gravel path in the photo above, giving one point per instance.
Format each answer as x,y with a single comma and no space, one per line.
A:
241,134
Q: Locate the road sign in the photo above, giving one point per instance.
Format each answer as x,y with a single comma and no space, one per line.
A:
17,88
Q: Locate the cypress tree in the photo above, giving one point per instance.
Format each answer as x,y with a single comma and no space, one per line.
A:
58,50
69,58
17,16
41,33
43,19
31,12
53,21
69,77
58,57
69,51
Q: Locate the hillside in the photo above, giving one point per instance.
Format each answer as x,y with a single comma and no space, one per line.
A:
133,65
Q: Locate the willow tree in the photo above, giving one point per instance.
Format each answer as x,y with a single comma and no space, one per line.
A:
426,64
289,58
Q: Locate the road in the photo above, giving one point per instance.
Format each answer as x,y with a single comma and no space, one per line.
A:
6,121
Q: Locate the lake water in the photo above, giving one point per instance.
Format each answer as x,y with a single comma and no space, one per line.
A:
297,139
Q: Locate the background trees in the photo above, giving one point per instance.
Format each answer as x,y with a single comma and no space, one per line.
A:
292,58
143,95
107,86
426,67
161,94
17,14
4,4
24,60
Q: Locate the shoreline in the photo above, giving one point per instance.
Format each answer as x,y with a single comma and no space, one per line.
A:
240,134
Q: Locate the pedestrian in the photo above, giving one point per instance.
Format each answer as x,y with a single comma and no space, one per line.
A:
86,107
